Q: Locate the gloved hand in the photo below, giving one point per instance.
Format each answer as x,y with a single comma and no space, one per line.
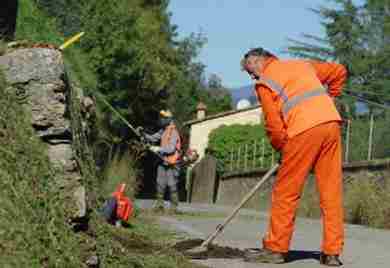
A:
278,140
154,149
140,131
142,136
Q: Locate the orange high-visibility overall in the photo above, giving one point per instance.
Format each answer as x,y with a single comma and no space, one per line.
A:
302,122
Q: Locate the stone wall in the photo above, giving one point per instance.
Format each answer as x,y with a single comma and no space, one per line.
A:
231,188
234,186
39,79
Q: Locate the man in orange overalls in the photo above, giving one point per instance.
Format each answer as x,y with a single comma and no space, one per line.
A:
302,123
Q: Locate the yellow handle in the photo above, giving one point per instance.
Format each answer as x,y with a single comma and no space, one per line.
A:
71,40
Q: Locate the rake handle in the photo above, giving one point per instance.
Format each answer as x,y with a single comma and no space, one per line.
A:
220,227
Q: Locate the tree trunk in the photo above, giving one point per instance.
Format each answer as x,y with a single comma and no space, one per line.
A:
8,14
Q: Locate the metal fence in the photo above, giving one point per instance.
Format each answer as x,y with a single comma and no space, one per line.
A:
254,154
364,138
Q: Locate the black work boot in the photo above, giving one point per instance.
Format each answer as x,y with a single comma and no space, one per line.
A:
330,260
265,256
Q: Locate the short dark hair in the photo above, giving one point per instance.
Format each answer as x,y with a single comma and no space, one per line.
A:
258,52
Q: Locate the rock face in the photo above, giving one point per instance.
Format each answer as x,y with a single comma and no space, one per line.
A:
38,77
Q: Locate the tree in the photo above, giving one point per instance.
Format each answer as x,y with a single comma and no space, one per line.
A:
140,63
66,12
191,86
8,14
358,37
130,49
218,97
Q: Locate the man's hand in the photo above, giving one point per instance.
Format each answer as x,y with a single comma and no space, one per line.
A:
140,131
154,149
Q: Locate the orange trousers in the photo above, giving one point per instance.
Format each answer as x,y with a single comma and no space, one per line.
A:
318,148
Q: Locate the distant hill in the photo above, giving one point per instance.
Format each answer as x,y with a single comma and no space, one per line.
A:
245,92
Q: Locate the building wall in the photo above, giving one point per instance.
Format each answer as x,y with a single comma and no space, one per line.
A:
199,135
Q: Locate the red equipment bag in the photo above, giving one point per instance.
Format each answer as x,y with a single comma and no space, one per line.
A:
124,207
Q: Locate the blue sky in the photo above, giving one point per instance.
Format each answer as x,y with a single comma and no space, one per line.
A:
232,27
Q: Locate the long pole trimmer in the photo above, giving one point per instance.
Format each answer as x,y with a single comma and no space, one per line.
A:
187,159
118,114
197,252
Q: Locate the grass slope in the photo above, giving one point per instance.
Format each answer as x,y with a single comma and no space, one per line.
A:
33,226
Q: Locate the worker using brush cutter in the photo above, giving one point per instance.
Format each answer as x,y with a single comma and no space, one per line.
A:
170,154
302,123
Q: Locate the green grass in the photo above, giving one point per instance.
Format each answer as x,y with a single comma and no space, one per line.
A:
34,213
34,26
119,171
366,202
141,244
3,47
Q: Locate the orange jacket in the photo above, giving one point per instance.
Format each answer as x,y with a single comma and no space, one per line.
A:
293,98
173,158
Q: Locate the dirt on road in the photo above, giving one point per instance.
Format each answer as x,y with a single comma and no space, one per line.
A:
364,247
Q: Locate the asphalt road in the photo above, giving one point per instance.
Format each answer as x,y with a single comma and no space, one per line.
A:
364,247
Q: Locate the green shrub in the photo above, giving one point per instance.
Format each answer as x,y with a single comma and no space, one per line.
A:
3,47
34,26
237,147
359,137
367,203
118,171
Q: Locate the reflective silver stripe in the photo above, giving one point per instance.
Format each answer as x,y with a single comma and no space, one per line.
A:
276,87
288,105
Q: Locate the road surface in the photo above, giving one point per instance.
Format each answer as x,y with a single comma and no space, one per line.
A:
364,247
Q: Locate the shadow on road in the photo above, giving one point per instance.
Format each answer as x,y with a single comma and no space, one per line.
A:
298,255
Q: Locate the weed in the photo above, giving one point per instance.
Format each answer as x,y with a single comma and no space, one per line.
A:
366,202
3,47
